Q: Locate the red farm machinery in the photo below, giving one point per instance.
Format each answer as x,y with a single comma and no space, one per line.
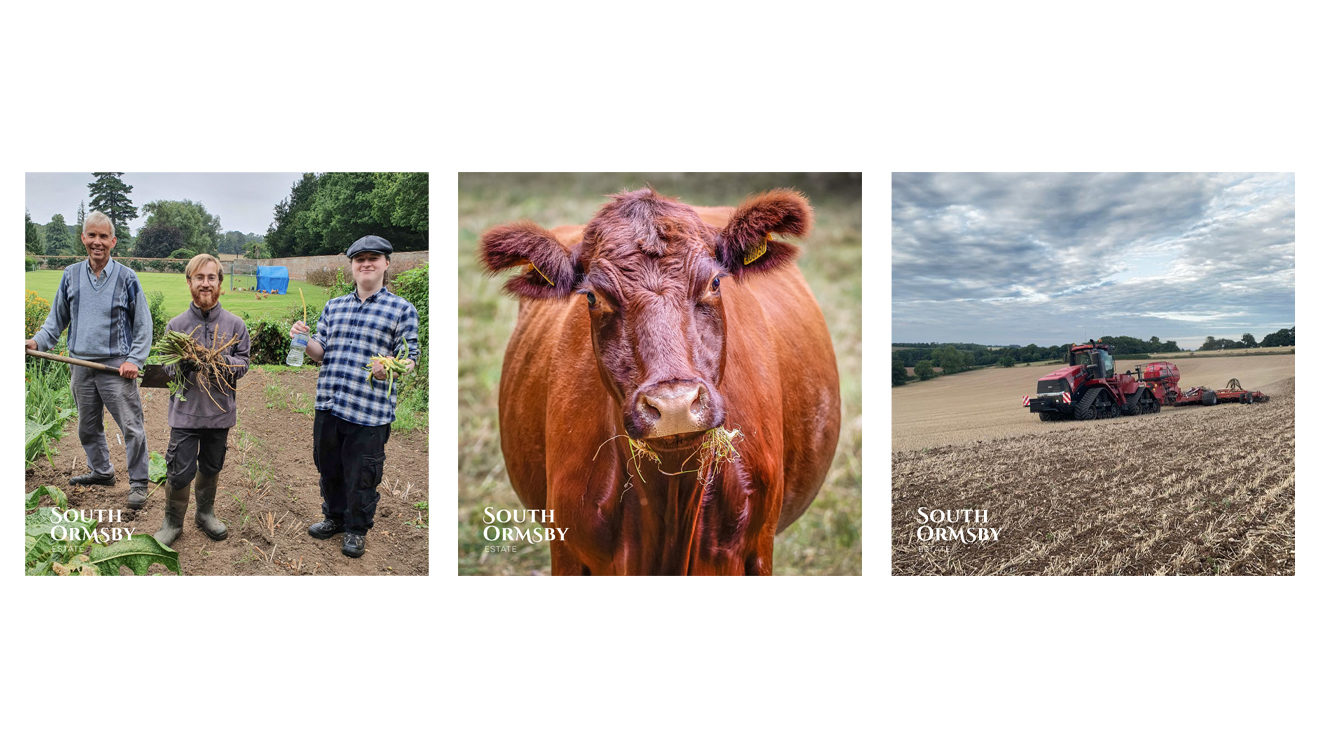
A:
1088,387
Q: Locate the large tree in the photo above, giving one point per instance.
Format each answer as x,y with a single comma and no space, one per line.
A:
287,233
110,196
231,242
58,241
33,244
325,213
949,359
158,241
1282,337
200,230
254,251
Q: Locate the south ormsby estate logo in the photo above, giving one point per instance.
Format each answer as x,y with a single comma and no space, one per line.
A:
504,531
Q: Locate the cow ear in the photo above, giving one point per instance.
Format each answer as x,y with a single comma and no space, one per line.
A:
549,268
746,244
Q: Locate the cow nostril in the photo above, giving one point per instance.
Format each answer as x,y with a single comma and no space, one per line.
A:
650,410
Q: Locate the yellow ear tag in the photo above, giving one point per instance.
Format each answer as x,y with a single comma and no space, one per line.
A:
538,272
755,253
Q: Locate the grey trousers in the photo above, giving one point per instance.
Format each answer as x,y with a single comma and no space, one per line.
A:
94,390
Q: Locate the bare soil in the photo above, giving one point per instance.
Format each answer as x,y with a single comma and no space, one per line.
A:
269,489
1189,490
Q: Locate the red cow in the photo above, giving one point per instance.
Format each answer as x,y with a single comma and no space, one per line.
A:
662,322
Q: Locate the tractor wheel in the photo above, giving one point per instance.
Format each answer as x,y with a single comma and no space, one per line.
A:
1106,406
1044,416
1209,398
1085,409
1246,399
1154,405
1132,406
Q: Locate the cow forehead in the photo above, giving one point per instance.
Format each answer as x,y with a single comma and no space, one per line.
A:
644,223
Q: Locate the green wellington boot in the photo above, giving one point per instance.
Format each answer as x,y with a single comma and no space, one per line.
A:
176,506
205,516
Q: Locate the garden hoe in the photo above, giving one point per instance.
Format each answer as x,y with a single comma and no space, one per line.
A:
151,375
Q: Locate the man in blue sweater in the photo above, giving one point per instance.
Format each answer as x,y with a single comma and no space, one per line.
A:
102,304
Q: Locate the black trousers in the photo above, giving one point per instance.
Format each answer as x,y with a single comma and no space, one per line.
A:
191,450
350,459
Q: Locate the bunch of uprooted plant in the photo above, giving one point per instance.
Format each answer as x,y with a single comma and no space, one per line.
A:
187,355
718,447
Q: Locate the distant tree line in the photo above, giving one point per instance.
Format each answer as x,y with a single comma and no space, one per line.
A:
976,354
1283,337
325,213
952,358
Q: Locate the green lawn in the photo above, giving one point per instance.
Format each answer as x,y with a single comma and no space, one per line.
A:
177,298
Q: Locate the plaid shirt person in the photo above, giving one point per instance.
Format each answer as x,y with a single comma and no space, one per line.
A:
351,332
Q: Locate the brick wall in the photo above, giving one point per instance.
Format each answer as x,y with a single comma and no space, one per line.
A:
299,266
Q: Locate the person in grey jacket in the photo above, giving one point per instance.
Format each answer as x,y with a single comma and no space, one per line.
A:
201,415
102,304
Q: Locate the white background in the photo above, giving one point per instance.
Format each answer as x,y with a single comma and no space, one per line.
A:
706,86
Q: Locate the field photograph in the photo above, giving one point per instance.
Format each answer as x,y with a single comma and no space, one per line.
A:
268,491
826,539
996,472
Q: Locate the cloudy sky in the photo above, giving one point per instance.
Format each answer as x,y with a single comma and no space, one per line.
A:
1053,258
243,201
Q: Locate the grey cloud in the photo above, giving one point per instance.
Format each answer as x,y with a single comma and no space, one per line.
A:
1043,258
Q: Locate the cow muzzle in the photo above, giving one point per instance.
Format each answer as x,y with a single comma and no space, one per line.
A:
675,407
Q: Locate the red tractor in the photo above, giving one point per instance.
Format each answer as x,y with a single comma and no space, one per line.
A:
1089,388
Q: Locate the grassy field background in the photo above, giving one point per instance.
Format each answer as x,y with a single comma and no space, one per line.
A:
827,539
177,297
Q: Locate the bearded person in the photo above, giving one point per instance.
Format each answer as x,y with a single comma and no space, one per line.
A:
201,415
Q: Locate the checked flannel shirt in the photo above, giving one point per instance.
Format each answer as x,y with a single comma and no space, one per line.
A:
351,332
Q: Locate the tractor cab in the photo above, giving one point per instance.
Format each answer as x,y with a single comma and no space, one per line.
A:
1096,357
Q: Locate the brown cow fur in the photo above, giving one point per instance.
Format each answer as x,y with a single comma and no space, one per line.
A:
755,347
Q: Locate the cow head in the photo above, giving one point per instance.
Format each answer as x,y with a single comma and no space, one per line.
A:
648,271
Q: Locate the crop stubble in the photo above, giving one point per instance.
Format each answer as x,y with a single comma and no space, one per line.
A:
1190,490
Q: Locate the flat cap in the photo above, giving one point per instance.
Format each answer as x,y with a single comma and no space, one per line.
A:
371,243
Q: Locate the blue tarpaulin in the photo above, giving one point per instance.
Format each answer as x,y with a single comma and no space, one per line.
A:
273,279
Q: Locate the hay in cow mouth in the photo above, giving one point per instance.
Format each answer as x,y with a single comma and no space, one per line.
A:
717,449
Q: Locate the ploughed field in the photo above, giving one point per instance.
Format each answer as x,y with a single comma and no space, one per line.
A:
269,489
984,487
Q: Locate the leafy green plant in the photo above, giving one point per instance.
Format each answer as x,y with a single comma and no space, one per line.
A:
35,311
423,520
275,396
33,499
156,303
48,405
341,285
410,414
77,552
156,468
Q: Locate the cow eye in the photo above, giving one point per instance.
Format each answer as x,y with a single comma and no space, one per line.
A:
591,299
715,284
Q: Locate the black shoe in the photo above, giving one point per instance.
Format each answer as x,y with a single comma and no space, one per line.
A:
92,479
354,545
137,496
325,529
